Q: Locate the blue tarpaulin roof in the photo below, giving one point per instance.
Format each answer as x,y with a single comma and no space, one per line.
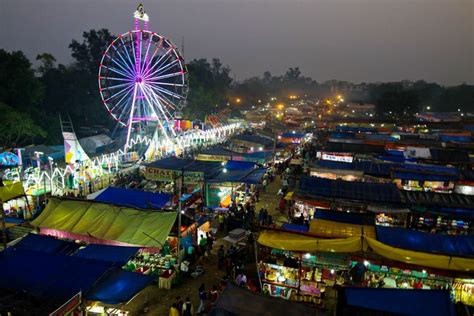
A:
400,302
349,218
111,254
239,165
354,129
292,135
43,274
258,139
294,227
48,275
421,176
46,244
351,190
255,177
425,242
133,198
119,286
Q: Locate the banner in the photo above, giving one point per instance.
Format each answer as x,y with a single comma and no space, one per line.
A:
156,174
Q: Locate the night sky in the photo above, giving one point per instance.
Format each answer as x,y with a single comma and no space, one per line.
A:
354,40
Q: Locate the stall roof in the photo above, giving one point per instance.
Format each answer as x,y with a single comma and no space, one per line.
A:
442,200
292,135
107,222
254,177
43,274
257,139
209,168
231,302
45,244
351,190
116,255
462,246
397,302
449,155
119,286
133,198
62,277
422,176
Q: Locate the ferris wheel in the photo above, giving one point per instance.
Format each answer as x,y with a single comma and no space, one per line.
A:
143,79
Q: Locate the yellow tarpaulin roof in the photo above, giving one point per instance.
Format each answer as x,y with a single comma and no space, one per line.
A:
325,228
420,258
296,242
107,222
301,243
11,191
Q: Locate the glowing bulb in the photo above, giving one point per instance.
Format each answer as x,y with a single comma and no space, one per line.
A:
366,263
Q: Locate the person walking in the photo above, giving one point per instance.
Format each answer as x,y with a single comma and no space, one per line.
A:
174,310
202,299
187,309
220,257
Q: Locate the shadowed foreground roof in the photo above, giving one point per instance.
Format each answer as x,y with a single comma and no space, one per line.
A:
235,301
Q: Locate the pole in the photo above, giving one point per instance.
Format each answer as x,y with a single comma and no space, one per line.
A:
179,214
4,226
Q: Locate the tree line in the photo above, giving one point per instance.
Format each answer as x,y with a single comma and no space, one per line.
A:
31,99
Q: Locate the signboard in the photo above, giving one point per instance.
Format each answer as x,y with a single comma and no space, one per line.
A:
204,157
156,174
342,157
69,307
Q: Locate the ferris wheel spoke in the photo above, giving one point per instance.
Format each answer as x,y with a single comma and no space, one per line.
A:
163,68
158,62
126,90
118,86
133,52
157,49
119,72
145,60
144,88
174,74
167,84
165,99
123,59
127,53
127,71
117,79
168,92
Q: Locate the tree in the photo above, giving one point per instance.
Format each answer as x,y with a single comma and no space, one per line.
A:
19,87
398,104
47,62
209,84
17,128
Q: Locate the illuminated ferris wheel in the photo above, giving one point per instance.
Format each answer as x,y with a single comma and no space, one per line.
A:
143,78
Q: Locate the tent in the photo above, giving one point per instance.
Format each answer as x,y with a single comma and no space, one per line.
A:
11,191
332,229
420,241
298,242
45,244
98,223
133,198
51,275
111,254
367,301
294,227
236,301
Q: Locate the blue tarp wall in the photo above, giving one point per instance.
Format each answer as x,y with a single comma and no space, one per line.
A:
462,246
349,218
133,198
294,227
401,302
352,190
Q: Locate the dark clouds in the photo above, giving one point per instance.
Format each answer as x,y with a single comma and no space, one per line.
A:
355,40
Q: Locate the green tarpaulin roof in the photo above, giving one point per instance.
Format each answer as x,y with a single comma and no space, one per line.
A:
107,222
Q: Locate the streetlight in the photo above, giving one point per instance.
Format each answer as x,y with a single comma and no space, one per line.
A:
428,107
